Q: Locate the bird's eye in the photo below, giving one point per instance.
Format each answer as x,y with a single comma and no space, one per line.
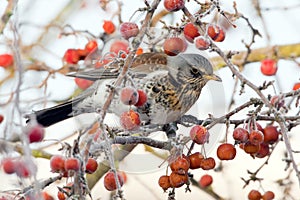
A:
195,71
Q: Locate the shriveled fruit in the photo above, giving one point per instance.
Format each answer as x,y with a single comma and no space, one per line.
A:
71,56
164,182
208,163
180,165
195,160
250,148
178,180
263,151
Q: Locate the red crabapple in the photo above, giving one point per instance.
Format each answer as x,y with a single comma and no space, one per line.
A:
240,134
199,134
57,163
226,151
254,195
216,33
178,180
72,164
6,60
268,67
142,98
164,182
36,133
110,181
190,32
256,137
173,46
205,180
129,30
119,45
129,95
271,134
195,160
202,43
130,120
173,5
108,27
91,166
180,165
9,165
91,46
208,163
83,83
296,86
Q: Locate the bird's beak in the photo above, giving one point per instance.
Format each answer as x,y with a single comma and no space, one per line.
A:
213,77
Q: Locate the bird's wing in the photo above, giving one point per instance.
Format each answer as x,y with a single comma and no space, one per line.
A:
96,74
142,65
149,63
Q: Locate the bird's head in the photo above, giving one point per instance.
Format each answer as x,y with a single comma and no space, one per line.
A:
194,69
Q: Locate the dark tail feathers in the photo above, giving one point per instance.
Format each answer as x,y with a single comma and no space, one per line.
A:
50,116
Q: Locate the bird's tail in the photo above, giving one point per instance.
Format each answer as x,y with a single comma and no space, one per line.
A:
50,116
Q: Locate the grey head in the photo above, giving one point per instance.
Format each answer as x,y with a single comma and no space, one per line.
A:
191,68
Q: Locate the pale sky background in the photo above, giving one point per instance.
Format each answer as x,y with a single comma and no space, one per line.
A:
143,173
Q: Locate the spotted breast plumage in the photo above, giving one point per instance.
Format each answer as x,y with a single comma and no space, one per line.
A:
172,84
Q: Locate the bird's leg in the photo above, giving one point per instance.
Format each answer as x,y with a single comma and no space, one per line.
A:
170,129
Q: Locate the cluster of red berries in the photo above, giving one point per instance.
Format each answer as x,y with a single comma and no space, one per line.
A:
180,167
183,163
6,60
130,120
73,56
256,195
61,164
17,166
256,140
175,45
